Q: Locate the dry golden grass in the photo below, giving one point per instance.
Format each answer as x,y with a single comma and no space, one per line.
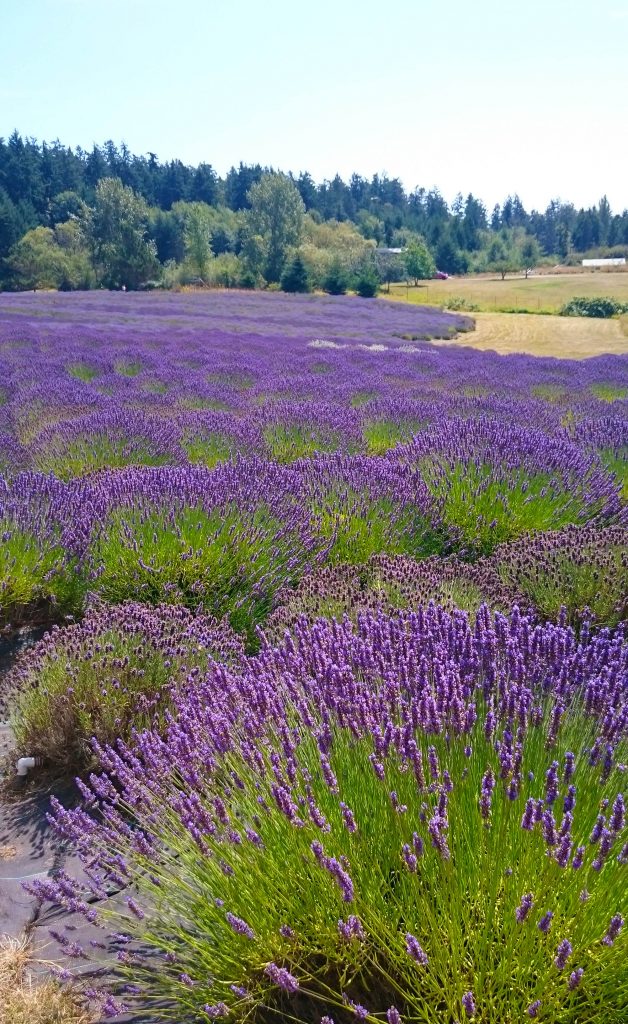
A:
542,291
22,1001
565,337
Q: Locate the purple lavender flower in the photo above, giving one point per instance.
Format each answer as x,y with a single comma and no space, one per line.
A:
596,832
488,785
578,858
410,858
135,908
545,923
533,1008
393,1016
239,926
613,930
563,953
348,818
570,766
551,783
282,978
529,815
524,908
351,928
216,1010
415,950
618,816
575,978
468,1004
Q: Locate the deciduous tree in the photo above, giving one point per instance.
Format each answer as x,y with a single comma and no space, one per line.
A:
418,261
276,215
116,230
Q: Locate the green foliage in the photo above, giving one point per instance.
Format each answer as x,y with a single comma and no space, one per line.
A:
530,252
230,561
113,673
67,206
335,281
36,574
504,257
449,258
208,450
484,510
287,443
276,216
616,460
458,302
419,261
608,392
295,276
89,454
366,282
128,368
590,579
81,371
461,909
381,435
600,306
357,526
117,234
50,258
549,392
197,237
111,693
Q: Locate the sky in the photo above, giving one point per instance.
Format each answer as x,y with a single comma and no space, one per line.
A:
490,97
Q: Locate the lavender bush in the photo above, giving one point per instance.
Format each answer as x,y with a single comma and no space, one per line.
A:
115,671
404,818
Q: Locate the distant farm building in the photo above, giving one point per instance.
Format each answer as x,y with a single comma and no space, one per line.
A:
617,261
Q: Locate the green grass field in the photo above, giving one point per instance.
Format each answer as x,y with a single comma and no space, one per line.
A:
541,293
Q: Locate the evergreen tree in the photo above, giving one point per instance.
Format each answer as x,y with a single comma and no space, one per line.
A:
335,281
295,276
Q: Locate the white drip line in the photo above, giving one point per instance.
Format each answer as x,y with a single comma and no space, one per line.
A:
24,765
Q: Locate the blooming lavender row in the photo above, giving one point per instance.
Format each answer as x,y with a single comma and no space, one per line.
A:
485,764
104,676
76,358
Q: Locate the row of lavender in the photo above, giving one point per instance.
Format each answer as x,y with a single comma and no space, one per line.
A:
230,539
88,382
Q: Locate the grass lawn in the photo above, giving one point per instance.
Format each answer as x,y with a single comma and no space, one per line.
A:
540,293
568,337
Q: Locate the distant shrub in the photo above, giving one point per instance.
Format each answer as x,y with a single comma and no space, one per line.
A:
367,283
457,302
597,306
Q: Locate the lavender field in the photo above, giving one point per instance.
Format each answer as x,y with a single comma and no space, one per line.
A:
333,615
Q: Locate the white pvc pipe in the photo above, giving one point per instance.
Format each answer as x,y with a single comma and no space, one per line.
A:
24,764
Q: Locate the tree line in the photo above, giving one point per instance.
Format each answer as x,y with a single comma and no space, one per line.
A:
72,218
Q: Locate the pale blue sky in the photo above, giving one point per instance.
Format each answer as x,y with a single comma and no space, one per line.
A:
486,96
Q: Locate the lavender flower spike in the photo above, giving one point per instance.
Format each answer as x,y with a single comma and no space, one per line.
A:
468,1003
415,950
563,953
